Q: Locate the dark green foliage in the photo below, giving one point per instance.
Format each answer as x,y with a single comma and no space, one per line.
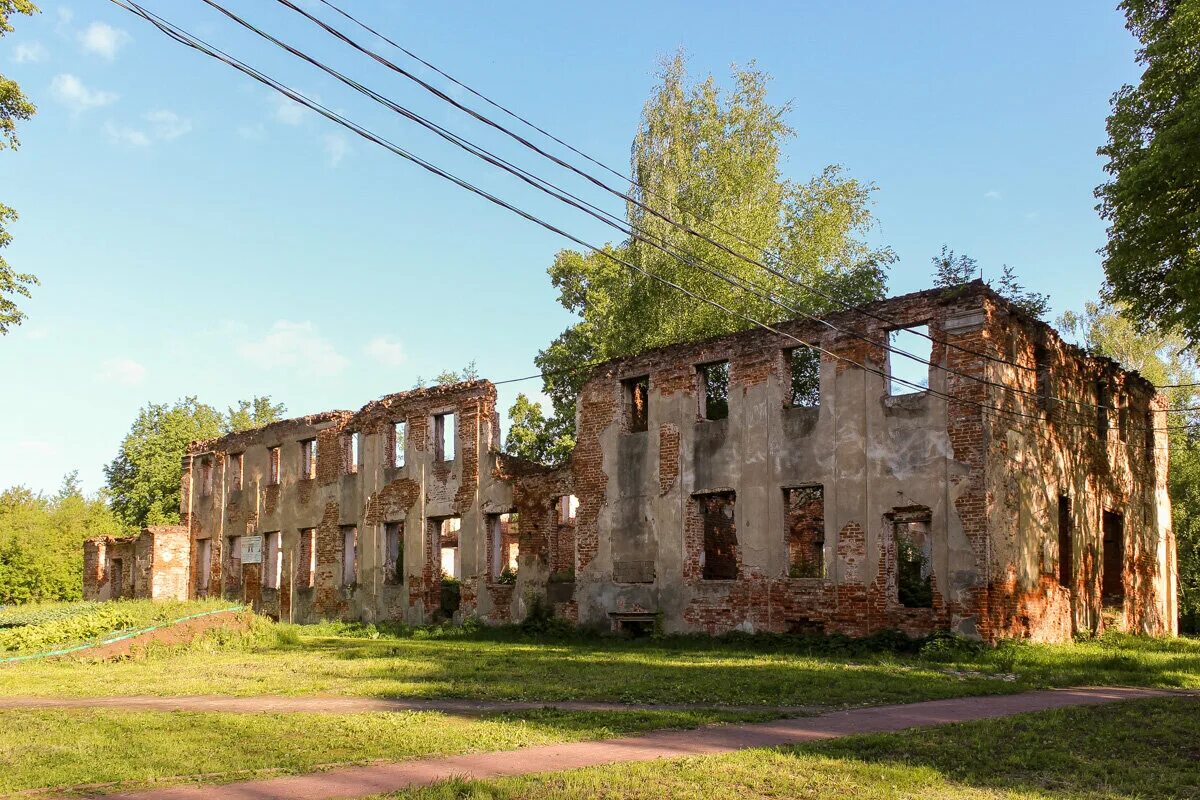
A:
541,622
451,596
914,587
1152,202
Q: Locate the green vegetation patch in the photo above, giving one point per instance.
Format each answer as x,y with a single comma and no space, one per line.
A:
1140,749
72,749
44,627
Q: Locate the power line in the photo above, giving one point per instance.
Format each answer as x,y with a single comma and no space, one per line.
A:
616,173
191,41
592,179
624,227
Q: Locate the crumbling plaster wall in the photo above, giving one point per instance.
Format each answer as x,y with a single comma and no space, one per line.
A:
1050,445
872,453
369,497
154,564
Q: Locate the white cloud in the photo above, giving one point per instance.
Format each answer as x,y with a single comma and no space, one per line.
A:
336,148
294,344
288,111
127,136
29,53
103,40
163,126
992,194
122,371
71,92
167,125
386,351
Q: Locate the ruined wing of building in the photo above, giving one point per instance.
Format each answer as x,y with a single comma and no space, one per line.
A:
737,483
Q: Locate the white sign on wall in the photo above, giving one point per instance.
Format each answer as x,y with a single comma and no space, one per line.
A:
252,549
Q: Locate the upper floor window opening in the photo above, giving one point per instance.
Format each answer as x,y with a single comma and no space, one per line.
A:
444,435
804,376
237,463
908,360
308,459
635,394
353,454
273,473
714,390
399,442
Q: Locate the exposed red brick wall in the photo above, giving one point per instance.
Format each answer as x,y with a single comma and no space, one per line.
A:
668,457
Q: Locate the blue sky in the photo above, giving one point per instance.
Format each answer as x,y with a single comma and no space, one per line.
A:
195,235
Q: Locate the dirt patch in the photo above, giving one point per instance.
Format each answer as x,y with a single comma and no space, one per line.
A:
179,633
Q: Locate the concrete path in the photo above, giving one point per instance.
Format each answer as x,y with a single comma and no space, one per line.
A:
276,704
349,782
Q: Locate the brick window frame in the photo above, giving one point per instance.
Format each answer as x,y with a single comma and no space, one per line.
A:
804,530
236,471
712,390
308,459
713,515
635,404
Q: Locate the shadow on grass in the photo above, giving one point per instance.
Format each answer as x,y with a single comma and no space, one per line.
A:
1134,749
766,670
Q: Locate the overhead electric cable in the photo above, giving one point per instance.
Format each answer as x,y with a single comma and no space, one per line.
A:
189,40
623,226
623,195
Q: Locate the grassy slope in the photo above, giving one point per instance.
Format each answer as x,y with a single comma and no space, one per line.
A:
336,660
43,627
1143,749
64,748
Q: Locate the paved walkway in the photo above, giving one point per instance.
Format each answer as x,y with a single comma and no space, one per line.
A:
349,782
277,704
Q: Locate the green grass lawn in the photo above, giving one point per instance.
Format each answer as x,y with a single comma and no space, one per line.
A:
1142,749
358,660
55,749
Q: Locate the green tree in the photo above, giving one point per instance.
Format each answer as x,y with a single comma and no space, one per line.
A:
252,413
41,541
952,269
709,159
532,437
143,480
468,373
14,107
1152,201
1163,360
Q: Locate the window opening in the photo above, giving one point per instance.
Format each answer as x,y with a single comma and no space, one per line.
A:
909,374
714,390
804,370
637,400
720,536
349,555
914,559
805,516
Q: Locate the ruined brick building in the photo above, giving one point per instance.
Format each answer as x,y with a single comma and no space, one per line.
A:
734,483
